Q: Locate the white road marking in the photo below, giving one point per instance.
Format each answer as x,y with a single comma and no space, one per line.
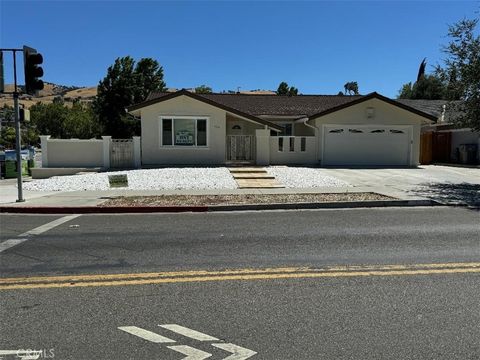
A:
7,244
41,229
238,352
146,335
196,335
192,353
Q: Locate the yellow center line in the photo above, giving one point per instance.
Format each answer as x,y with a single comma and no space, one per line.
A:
241,274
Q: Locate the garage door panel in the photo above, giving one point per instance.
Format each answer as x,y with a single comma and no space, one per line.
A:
372,145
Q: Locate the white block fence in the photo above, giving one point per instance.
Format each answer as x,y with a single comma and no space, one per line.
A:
82,153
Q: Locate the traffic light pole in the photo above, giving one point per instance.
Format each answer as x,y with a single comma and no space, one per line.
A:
18,141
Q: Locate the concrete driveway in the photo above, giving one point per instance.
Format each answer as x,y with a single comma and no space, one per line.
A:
446,184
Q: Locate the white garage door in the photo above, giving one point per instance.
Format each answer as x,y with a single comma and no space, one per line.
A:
366,145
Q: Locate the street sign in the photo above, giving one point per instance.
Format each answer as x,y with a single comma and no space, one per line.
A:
118,180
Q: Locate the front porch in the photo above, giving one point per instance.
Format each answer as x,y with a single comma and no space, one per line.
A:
248,143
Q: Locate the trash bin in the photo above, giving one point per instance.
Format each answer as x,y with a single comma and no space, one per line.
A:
468,153
11,168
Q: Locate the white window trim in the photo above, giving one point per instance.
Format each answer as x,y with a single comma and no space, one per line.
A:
173,117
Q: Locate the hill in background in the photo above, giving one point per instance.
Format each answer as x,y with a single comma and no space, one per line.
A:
69,94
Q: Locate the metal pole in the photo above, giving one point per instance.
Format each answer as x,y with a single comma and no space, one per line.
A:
17,131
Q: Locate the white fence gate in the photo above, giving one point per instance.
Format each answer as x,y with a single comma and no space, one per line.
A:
240,147
121,154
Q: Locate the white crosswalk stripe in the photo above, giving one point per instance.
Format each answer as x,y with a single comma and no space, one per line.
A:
192,353
146,335
192,334
237,352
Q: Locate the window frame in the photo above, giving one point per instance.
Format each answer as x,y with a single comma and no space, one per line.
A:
186,117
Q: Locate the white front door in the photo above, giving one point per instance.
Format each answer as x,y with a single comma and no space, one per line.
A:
371,145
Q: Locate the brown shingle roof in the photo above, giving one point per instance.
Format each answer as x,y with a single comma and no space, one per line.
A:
257,105
435,108
253,106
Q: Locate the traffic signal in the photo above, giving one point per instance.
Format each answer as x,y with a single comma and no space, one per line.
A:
31,60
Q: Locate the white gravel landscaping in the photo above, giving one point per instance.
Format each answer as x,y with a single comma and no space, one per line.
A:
302,177
151,179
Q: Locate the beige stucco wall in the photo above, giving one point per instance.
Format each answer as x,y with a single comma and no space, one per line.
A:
246,127
297,156
75,153
384,114
303,130
155,154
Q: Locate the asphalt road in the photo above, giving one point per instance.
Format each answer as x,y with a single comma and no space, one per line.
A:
403,315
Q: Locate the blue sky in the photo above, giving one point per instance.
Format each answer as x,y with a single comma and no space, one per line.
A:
316,46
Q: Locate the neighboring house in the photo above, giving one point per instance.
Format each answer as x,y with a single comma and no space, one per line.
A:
208,129
444,140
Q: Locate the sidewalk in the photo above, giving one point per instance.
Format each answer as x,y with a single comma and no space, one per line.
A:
88,201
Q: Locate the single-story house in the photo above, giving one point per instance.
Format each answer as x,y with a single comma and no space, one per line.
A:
212,129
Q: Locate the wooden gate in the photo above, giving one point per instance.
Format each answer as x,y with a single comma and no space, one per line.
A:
121,154
442,143
240,147
435,147
426,148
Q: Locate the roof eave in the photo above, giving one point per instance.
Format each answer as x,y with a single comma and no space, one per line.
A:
204,100
375,95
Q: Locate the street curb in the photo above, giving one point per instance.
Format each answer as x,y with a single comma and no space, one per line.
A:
213,208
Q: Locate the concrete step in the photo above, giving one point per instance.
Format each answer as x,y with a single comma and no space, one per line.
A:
251,186
243,170
258,183
253,176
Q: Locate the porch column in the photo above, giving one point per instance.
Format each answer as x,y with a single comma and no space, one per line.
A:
137,159
106,151
44,145
262,137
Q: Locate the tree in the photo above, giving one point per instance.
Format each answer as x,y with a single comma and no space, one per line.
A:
421,69
428,87
462,71
203,89
148,78
351,87
60,121
293,91
7,137
126,84
284,89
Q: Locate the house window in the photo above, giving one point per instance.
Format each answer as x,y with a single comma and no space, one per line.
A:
292,144
287,130
280,144
184,131
167,132
303,144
